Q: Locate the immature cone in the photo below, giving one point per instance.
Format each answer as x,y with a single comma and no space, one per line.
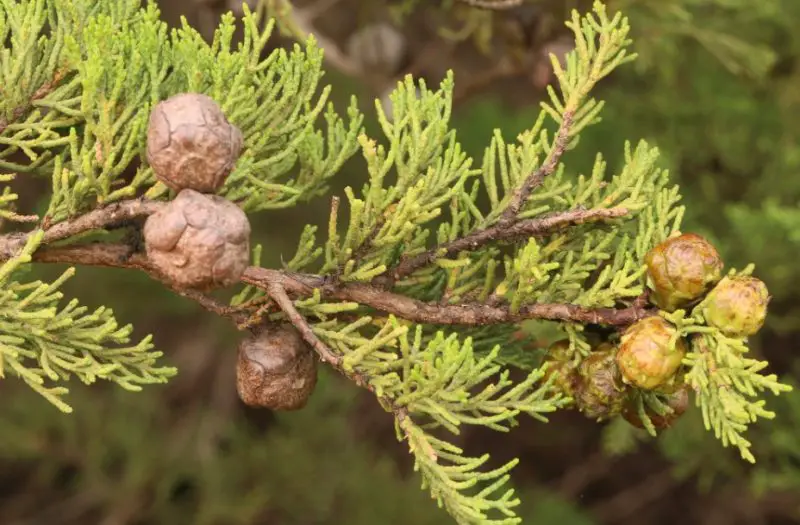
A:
559,360
276,369
599,390
199,241
646,358
190,143
677,399
681,270
737,306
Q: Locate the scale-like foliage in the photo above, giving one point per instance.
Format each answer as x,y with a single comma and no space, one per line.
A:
43,342
104,65
80,81
726,381
421,172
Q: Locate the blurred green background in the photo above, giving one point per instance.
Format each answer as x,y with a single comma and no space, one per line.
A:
717,88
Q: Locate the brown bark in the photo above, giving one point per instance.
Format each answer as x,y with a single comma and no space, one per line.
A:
303,285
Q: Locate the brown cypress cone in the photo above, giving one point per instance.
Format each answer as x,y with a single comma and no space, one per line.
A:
599,390
199,241
276,369
737,306
677,399
681,270
645,356
190,143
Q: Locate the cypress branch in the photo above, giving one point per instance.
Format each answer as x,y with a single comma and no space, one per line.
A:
413,296
119,256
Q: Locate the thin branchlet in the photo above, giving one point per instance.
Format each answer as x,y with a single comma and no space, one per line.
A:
509,226
511,214
43,90
277,291
519,230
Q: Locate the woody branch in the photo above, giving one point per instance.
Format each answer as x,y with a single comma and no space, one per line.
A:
302,285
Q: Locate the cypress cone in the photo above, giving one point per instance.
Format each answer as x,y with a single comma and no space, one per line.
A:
677,399
190,143
199,241
599,390
646,357
737,306
681,270
276,369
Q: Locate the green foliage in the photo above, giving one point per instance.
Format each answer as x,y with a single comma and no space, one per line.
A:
80,80
588,266
313,466
395,217
725,380
730,137
81,115
41,342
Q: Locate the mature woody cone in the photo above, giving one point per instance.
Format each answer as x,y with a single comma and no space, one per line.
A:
677,399
190,143
599,390
681,270
737,306
199,241
559,360
276,369
646,357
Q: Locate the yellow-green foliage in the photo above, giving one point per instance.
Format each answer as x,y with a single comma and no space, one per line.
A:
79,80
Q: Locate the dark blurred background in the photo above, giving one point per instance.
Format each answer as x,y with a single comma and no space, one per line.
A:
717,88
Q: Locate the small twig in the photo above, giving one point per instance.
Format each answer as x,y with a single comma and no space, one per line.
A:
256,318
509,226
535,179
470,314
210,304
518,230
15,217
278,293
44,90
101,218
374,297
96,219
120,256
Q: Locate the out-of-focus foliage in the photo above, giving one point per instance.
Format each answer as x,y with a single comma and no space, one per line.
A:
140,459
